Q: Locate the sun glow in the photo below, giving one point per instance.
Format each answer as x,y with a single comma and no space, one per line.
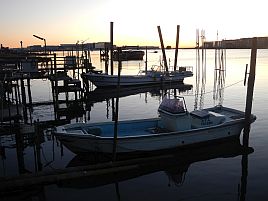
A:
134,22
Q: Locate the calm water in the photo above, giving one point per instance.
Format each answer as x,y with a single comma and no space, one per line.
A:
210,173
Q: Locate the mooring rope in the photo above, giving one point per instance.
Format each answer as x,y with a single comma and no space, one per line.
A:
212,91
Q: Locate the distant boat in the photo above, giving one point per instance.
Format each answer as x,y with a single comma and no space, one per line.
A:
143,78
175,128
127,55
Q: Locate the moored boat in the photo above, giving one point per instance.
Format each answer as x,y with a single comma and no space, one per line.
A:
127,55
143,78
176,127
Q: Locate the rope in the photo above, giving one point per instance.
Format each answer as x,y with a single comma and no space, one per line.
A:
220,88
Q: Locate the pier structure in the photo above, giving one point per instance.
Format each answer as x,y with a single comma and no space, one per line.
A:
19,68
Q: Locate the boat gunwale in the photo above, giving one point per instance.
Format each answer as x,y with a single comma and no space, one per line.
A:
151,135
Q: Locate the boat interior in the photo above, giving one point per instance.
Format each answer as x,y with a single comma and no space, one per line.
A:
166,123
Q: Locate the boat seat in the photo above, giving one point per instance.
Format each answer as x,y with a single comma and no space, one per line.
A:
93,130
155,130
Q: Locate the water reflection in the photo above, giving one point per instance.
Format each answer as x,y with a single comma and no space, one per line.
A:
175,163
96,170
101,94
109,94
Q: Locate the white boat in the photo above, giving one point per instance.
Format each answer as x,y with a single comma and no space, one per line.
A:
176,127
143,78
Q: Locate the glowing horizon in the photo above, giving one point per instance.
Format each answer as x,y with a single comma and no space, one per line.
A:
65,21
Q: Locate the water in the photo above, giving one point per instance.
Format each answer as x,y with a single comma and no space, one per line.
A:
211,173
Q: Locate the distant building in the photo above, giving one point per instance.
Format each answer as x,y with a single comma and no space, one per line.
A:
242,43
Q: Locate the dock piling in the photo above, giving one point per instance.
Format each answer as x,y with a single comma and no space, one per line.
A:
250,89
162,48
177,47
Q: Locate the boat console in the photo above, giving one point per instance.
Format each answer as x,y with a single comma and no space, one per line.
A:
205,118
174,115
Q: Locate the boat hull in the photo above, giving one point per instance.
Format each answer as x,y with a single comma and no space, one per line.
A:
102,80
146,143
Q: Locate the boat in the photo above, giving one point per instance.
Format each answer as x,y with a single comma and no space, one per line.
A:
127,55
174,128
150,77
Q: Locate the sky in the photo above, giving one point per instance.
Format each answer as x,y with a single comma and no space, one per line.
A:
135,22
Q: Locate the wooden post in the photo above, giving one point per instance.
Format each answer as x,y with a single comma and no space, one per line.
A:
177,47
112,46
16,98
23,98
162,48
106,59
146,61
250,89
29,91
119,51
55,64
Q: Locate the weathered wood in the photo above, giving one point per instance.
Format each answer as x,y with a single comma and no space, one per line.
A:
177,47
112,46
29,91
119,51
23,98
250,89
162,47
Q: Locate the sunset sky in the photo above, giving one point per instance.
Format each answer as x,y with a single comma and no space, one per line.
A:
135,22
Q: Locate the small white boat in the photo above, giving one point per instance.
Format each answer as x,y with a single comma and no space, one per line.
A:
176,127
143,78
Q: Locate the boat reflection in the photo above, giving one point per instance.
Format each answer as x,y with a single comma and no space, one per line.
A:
175,163
101,94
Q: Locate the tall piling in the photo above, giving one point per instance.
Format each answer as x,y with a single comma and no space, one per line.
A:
112,46
29,91
177,47
119,51
250,89
162,47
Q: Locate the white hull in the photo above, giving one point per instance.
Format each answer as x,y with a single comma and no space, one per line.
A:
103,80
153,142
154,134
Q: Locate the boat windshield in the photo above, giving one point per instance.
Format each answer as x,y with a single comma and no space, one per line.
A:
172,105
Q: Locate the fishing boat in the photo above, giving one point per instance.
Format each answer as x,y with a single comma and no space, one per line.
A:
175,127
150,77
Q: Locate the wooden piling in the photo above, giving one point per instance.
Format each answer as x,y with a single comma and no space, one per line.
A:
106,59
162,48
250,89
177,47
112,46
146,60
119,51
55,64
29,92
23,98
